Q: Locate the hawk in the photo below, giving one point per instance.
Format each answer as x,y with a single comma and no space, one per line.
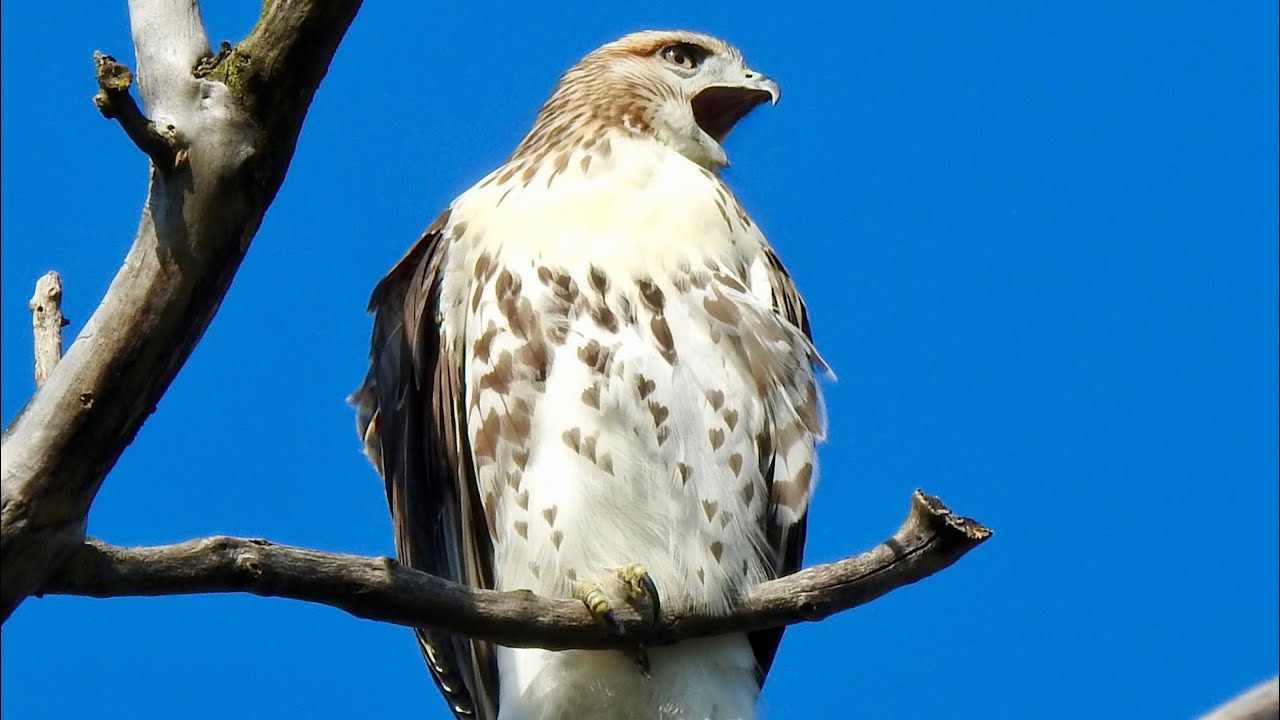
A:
591,377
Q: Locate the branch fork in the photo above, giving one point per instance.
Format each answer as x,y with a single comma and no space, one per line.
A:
242,127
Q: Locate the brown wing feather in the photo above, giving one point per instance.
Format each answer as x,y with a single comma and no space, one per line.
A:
787,542
410,412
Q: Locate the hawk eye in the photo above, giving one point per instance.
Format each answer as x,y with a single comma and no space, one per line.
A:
683,56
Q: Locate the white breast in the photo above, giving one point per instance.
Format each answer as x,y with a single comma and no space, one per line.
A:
613,413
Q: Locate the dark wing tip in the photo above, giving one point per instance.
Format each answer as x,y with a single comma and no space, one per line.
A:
413,439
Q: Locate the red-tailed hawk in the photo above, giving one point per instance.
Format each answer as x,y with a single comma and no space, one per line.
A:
591,377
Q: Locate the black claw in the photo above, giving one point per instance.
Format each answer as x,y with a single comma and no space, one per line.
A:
655,602
642,660
612,622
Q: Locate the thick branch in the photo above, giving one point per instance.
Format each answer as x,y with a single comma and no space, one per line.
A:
47,322
1260,702
195,228
168,40
115,102
275,78
929,540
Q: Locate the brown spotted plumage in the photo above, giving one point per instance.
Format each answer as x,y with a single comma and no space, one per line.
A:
593,359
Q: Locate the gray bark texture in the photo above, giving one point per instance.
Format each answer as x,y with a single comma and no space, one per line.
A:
220,130
46,324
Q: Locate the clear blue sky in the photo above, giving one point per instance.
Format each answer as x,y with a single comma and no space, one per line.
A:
1038,242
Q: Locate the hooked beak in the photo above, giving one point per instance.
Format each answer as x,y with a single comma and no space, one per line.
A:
717,108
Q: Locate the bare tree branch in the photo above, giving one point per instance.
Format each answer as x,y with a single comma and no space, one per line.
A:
930,539
115,102
239,125
47,322
1260,702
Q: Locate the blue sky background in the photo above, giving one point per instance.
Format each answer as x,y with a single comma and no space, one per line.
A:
1039,244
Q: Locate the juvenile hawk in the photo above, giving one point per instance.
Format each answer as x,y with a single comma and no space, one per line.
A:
592,365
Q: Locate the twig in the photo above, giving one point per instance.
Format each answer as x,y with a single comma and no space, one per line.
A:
929,540
115,103
47,322
1260,702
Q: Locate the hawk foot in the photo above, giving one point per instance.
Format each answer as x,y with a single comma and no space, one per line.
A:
598,604
639,586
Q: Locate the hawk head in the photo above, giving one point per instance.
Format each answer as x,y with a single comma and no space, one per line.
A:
684,89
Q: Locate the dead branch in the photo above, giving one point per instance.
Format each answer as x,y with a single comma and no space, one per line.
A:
238,119
930,539
115,103
47,322
1260,702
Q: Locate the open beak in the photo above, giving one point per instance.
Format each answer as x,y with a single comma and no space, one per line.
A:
717,108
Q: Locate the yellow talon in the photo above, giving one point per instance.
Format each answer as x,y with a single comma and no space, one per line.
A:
594,597
598,604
